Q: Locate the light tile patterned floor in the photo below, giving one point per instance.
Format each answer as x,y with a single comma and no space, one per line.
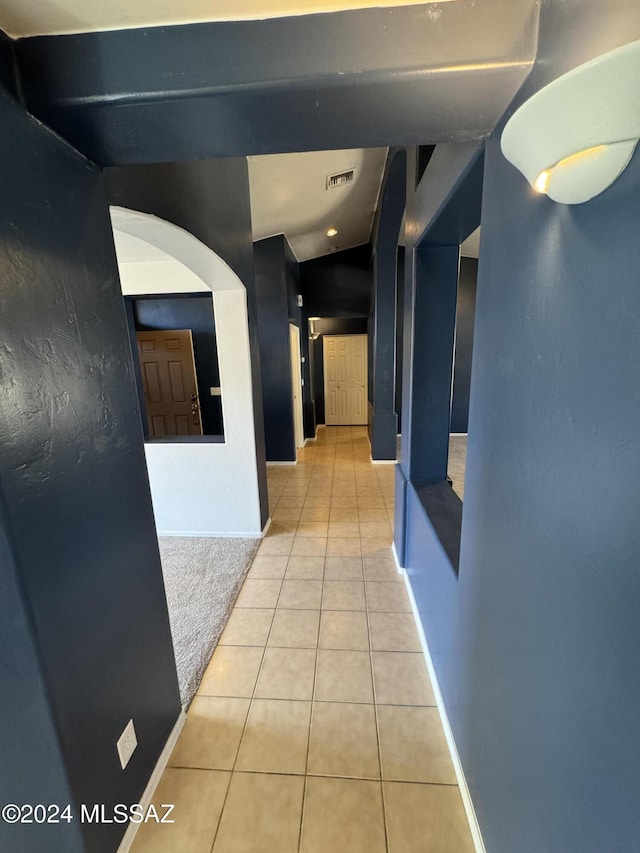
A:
315,727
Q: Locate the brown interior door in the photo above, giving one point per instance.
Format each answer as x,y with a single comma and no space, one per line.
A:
170,384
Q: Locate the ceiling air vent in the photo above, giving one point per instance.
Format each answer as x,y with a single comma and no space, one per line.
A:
340,179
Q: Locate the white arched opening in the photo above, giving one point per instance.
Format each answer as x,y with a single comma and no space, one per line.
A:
198,487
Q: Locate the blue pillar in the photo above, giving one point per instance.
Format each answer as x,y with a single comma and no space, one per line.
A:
430,290
383,419
436,271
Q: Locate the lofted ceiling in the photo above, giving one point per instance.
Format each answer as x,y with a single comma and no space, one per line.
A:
471,246
20,18
289,196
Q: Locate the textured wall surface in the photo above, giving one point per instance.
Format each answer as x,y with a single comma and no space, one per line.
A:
535,643
74,478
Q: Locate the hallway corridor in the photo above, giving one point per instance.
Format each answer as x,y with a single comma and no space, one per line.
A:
315,727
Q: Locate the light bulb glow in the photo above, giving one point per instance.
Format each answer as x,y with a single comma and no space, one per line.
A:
332,232
580,155
542,181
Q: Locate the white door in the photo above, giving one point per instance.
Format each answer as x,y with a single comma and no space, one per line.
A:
296,384
345,379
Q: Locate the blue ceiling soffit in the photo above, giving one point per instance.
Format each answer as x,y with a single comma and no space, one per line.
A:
415,74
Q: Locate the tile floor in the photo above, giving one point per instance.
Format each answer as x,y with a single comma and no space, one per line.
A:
315,727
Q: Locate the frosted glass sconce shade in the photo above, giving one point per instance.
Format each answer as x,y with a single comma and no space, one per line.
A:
573,139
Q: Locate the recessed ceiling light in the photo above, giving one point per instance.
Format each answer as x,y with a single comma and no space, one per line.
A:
332,232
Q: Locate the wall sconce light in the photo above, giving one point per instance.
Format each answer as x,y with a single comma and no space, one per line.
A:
575,137
312,328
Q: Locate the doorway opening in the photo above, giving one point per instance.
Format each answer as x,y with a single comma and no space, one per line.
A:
345,380
296,385
318,328
176,359
201,485
462,361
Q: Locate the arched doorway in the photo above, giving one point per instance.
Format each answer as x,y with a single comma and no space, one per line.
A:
199,486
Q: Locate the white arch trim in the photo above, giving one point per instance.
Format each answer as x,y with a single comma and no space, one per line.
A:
198,488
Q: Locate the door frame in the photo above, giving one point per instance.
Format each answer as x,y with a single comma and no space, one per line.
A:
325,372
296,385
195,403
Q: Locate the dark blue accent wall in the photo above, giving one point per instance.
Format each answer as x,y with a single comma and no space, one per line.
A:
551,581
87,643
210,199
31,770
274,291
535,644
338,285
193,312
465,317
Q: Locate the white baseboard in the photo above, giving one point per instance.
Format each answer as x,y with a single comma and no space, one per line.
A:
458,433
265,528
207,534
382,461
472,819
395,558
152,784
289,463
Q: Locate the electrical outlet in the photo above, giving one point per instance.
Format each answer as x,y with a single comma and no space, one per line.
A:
127,743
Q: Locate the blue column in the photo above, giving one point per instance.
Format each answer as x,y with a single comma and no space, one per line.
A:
434,318
383,420
430,290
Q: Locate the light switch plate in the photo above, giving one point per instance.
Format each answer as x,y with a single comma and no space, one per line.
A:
127,743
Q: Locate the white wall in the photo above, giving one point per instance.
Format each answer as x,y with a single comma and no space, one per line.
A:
198,488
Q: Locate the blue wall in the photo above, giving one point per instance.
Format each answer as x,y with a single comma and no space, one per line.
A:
275,306
238,84
32,769
536,643
88,645
383,420
338,285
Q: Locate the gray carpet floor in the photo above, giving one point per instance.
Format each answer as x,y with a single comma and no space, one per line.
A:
457,462
202,577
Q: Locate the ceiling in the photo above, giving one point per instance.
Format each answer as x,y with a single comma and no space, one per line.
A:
471,246
289,196
19,18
